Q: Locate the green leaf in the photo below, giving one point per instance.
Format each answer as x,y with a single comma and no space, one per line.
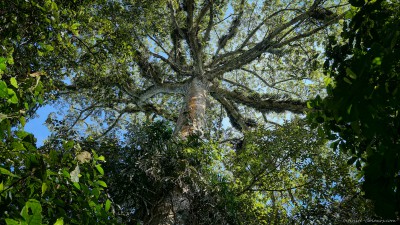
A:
101,158
13,99
48,48
101,171
13,82
44,188
3,90
347,80
3,66
12,222
1,186
60,221
68,145
351,74
22,134
349,109
36,209
102,183
22,120
18,146
108,205
75,26
76,184
7,172
65,173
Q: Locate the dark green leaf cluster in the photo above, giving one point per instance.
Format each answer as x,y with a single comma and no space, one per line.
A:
56,183
361,112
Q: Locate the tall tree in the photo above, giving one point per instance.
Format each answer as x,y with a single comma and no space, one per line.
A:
182,59
194,63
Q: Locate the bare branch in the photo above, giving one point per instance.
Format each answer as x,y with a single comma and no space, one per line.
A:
266,45
269,121
233,29
159,45
111,126
165,88
81,114
173,65
268,84
307,34
233,113
237,84
262,23
210,23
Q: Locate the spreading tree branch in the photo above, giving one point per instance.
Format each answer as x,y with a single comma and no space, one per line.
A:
262,103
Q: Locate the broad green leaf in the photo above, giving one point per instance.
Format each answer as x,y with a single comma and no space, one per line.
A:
22,120
102,183
60,221
13,82
100,169
18,146
108,205
3,66
101,158
12,222
3,89
65,173
36,209
1,186
22,134
76,184
48,48
44,188
7,172
13,99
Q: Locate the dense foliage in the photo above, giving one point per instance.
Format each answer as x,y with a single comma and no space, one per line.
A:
361,112
41,186
283,176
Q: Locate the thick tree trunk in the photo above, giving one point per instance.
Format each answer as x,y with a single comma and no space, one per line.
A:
191,120
175,209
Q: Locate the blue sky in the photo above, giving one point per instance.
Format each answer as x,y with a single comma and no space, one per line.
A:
37,126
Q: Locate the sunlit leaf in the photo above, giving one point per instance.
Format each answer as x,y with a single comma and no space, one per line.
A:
100,169
75,174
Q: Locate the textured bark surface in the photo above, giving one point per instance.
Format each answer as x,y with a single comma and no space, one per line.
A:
192,116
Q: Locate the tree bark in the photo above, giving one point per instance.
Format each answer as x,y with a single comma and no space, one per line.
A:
191,119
